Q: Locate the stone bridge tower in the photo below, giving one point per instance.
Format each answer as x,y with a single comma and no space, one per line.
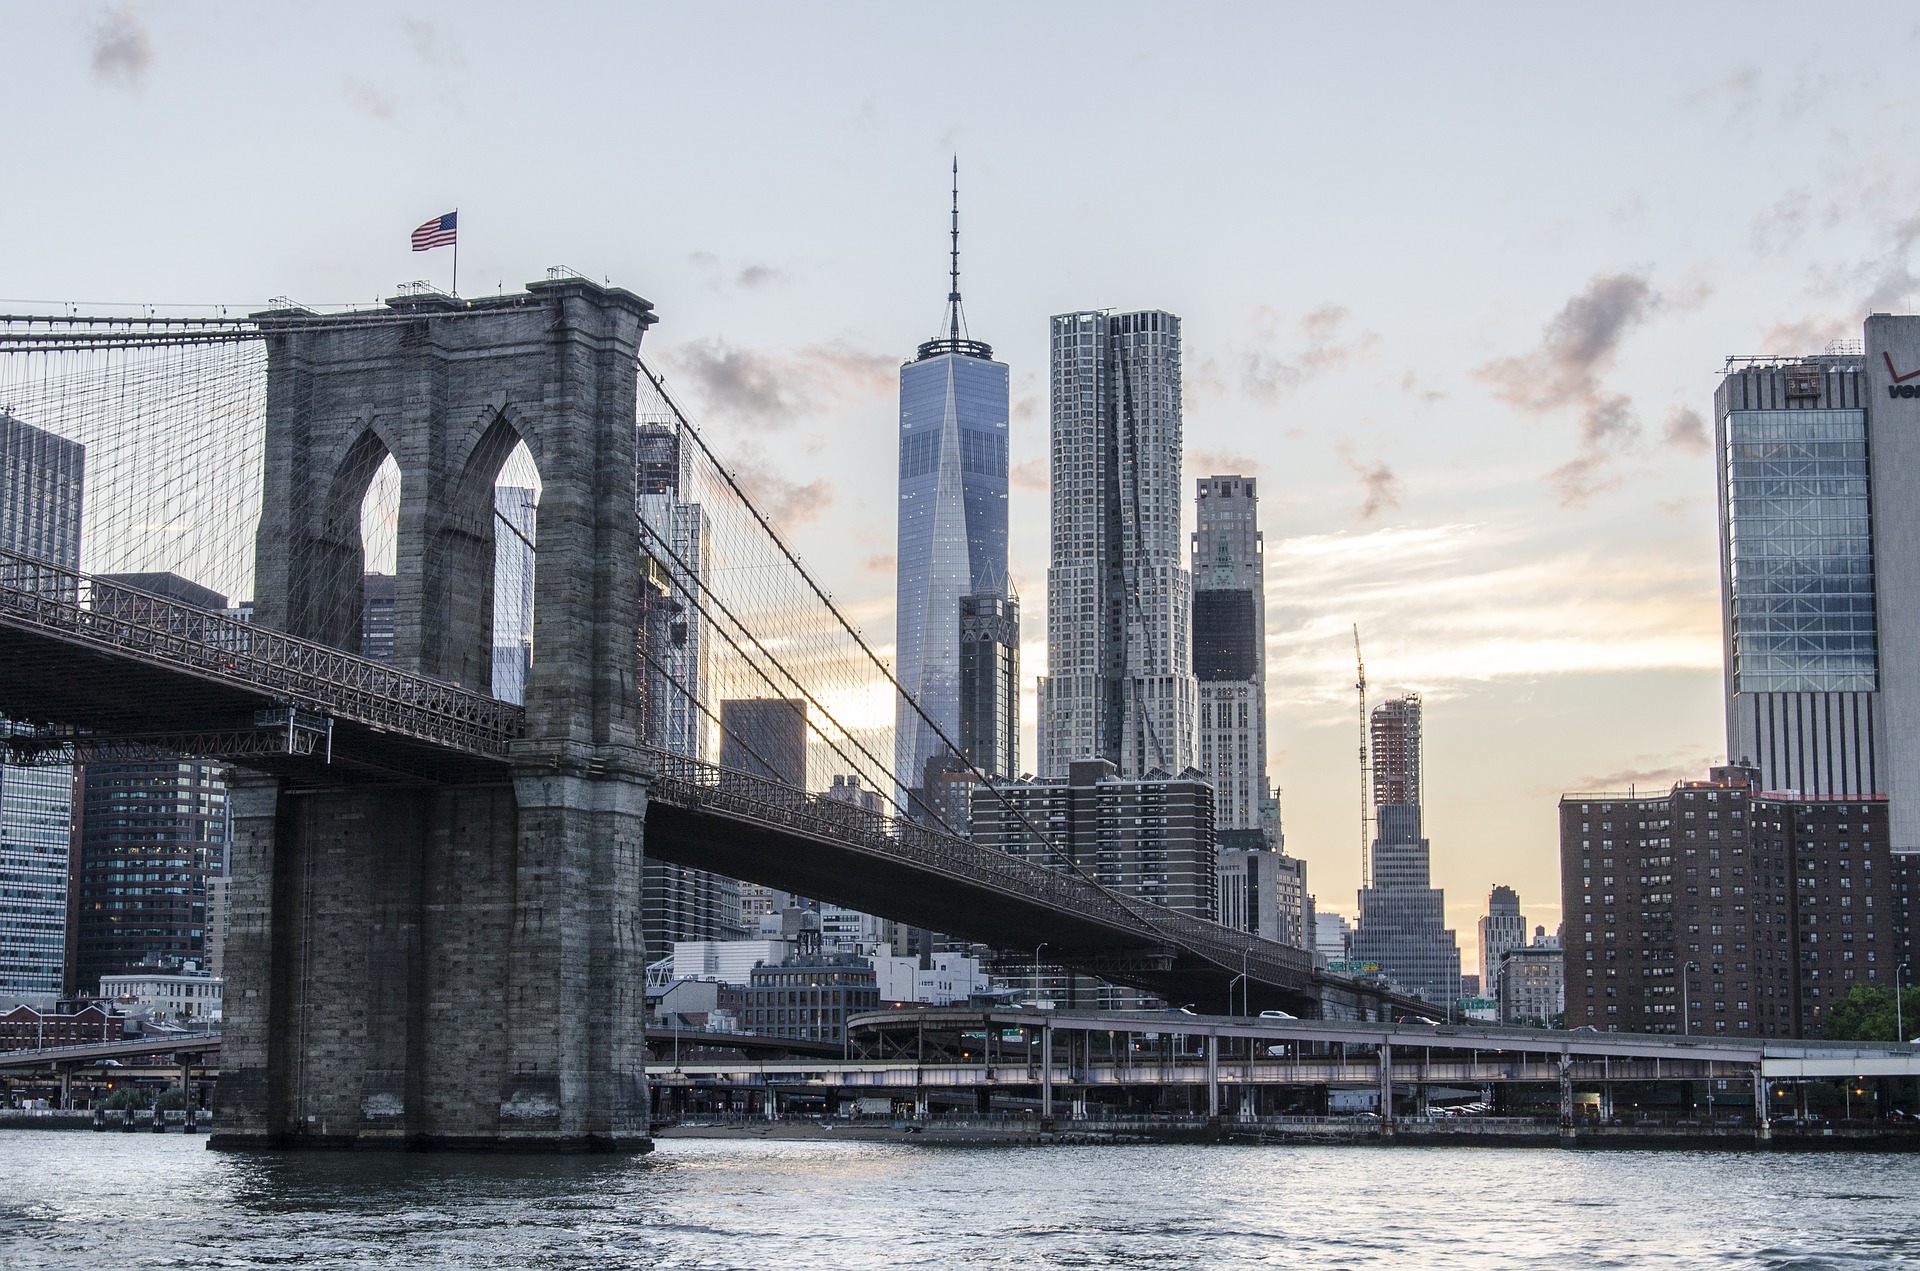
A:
430,964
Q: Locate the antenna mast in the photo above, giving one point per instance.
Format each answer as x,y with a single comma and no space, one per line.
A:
953,291
1366,768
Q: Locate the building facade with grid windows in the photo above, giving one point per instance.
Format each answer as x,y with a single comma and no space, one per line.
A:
1722,907
1119,683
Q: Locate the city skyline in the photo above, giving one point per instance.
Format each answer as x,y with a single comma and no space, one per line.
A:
1484,406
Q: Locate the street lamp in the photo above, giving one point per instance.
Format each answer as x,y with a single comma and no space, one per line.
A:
1036,969
1686,1007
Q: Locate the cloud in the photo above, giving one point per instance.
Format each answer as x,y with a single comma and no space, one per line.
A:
1686,429
885,563
430,45
1576,347
754,276
1807,335
1780,225
783,500
1442,607
1651,778
1383,488
771,389
122,49
1030,474
368,100
1737,92
1265,375
749,277
1220,463
1412,385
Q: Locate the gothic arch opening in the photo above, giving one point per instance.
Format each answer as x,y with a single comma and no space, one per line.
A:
516,500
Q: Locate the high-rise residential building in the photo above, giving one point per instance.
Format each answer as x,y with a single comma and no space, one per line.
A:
676,533
990,683
765,736
679,904
952,523
1403,924
1502,927
1818,459
1229,648
1119,683
151,837
1721,907
41,482
1149,838
377,594
1263,891
514,511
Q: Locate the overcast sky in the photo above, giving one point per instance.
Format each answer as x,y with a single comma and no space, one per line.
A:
1456,281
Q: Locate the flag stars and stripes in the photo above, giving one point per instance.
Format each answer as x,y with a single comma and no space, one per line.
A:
438,232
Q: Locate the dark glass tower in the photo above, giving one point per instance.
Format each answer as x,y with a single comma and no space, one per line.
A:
953,519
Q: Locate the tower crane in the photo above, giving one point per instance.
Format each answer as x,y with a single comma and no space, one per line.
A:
1366,792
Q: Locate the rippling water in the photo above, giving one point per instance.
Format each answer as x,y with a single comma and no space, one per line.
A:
130,1201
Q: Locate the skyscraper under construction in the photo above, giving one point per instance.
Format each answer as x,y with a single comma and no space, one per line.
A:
1403,920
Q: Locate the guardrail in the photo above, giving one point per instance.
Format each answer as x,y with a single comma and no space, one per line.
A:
305,674
698,786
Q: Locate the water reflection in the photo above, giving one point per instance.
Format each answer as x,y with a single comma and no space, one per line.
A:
78,1199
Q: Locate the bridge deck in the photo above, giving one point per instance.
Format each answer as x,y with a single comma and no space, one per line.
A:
95,663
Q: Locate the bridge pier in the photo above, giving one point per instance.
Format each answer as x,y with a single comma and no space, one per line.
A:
455,967
438,964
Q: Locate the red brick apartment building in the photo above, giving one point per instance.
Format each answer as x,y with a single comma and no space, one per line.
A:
1720,908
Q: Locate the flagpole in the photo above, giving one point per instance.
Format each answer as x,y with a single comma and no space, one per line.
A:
456,253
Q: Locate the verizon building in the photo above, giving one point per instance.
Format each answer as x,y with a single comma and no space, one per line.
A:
1818,460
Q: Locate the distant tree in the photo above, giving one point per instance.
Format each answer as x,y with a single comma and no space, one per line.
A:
1867,1015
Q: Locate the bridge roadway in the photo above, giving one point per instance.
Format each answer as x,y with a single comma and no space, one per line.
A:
107,671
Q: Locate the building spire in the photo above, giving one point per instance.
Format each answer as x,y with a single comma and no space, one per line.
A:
953,291
954,340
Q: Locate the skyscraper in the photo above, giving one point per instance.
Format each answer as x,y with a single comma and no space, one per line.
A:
677,534
1502,927
1403,920
990,683
41,481
1818,463
514,511
1229,648
952,518
1119,683
766,736
678,903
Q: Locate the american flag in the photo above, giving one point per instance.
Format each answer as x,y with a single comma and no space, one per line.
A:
438,232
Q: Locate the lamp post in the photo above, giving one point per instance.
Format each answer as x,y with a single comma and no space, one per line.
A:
1036,969
1899,1021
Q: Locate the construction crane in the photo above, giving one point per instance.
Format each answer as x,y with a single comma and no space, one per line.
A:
1366,768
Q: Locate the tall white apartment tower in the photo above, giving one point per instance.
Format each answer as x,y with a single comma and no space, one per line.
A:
1119,683
1230,648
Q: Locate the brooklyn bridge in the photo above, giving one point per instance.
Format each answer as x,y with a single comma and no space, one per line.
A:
435,891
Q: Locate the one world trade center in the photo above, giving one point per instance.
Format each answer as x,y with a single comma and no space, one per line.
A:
957,632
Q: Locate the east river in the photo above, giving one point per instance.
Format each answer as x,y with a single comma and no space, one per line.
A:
82,1200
